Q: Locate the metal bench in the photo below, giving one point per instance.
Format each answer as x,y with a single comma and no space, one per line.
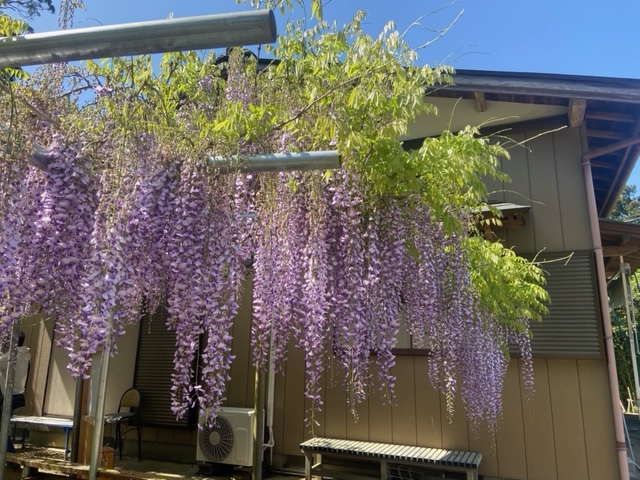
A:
390,456
28,421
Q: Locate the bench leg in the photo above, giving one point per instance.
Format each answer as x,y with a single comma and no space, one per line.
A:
26,471
472,475
308,461
383,470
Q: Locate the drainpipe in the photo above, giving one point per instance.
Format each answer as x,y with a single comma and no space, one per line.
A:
621,446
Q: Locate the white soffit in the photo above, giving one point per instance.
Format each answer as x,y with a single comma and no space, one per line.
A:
455,114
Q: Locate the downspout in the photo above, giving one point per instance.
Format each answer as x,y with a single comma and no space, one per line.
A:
621,446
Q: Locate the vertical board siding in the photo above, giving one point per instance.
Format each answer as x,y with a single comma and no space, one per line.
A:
596,409
39,339
403,412
538,427
566,411
294,414
510,436
380,415
545,208
576,230
428,420
539,438
239,393
335,411
455,431
518,191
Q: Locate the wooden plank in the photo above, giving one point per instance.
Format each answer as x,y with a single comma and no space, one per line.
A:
481,440
358,428
279,413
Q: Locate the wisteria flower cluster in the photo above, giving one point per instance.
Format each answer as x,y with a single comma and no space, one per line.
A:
339,259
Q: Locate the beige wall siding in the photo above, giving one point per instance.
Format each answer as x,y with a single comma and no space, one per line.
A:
240,392
546,173
563,432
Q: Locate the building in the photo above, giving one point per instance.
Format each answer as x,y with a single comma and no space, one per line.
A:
574,141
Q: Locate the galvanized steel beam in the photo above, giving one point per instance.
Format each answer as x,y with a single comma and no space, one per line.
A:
175,34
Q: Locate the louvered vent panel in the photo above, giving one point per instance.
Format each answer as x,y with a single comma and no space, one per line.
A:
572,327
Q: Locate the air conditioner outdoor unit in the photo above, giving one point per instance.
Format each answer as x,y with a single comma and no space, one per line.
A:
229,440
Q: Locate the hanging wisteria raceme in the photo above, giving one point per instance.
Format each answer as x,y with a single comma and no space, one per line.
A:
111,299
457,312
206,271
352,334
482,366
423,288
227,273
63,232
387,258
276,288
14,243
150,223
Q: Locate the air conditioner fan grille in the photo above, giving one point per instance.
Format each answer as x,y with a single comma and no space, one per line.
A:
216,441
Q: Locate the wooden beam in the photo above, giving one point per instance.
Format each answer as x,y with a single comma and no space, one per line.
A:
616,251
611,117
481,102
577,109
608,134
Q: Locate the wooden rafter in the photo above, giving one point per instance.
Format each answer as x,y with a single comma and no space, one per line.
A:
481,102
608,134
610,116
577,109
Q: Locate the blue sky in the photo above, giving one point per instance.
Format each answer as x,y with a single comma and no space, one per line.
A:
542,36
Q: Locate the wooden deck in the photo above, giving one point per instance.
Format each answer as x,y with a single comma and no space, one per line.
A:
51,461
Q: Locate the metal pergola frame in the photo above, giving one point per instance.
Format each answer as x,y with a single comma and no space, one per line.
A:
191,33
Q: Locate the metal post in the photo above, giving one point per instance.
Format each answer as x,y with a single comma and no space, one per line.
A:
258,425
175,34
96,439
77,420
8,394
630,327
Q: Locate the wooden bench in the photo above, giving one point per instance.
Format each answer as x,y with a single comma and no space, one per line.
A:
390,457
56,422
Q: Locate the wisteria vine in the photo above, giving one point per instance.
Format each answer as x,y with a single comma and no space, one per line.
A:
339,262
